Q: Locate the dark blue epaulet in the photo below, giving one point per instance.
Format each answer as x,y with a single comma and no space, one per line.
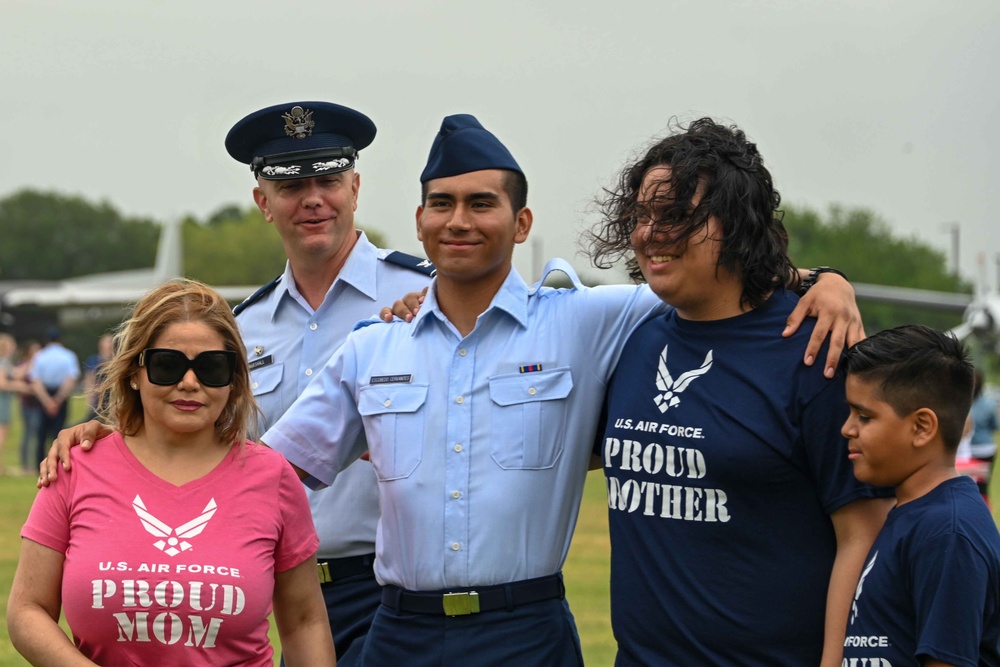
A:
256,296
418,264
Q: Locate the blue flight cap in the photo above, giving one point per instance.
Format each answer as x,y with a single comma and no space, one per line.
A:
300,139
463,145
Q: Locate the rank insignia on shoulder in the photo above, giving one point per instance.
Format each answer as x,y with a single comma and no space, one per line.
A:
418,264
531,368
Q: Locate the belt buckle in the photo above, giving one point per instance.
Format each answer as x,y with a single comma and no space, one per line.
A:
324,573
460,604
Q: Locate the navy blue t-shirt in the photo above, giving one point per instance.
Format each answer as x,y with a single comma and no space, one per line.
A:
931,585
723,458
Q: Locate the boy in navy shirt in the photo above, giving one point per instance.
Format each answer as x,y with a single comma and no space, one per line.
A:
929,594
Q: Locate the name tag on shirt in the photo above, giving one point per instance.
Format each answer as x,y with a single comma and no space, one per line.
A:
391,379
263,361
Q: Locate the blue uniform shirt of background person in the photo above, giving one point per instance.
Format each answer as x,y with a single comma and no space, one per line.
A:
481,444
287,345
53,364
930,587
723,459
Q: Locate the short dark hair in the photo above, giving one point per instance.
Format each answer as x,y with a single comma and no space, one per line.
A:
737,190
514,183
918,367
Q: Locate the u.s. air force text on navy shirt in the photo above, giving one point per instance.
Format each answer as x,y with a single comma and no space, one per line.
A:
723,459
482,446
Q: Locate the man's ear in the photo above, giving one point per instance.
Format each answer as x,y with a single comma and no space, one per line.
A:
522,222
924,422
355,188
420,212
260,198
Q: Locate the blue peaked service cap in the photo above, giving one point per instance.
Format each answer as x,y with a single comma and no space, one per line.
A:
463,145
300,139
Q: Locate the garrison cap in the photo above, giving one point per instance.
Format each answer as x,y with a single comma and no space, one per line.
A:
300,139
463,145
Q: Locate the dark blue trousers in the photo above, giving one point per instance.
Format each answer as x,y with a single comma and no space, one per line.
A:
542,634
50,426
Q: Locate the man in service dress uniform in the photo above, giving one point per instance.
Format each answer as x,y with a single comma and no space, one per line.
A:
303,155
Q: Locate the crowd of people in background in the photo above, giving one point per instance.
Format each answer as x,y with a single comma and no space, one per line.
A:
42,413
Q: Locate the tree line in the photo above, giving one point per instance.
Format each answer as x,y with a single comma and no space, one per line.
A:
53,236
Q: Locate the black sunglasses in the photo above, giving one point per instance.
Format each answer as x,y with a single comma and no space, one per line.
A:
213,368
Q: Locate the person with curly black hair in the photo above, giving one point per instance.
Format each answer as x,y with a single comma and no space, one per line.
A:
733,507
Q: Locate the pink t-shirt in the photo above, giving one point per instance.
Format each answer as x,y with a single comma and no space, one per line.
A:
173,575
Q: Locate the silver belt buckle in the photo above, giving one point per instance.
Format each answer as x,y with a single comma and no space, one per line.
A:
460,604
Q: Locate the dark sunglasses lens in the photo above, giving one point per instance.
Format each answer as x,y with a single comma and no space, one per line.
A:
165,366
214,369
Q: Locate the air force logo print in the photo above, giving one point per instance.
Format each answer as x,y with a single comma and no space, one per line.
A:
861,583
657,468
670,388
176,538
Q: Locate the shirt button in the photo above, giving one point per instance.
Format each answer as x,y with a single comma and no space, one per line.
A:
458,448
460,400
456,494
455,546
388,402
532,391
463,352
254,385
309,372
313,326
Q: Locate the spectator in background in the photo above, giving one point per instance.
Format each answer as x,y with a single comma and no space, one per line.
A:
7,347
93,374
31,410
984,419
54,373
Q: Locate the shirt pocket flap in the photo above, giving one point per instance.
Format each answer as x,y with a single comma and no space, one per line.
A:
528,387
266,379
389,398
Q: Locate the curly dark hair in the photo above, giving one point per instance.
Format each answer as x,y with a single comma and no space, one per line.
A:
736,188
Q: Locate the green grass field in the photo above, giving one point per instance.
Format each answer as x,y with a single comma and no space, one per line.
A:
587,568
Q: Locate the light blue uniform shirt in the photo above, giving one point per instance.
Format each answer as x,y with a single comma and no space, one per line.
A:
53,364
288,343
481,444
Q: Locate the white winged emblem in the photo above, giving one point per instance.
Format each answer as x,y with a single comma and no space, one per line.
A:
670,387
175,541
861,583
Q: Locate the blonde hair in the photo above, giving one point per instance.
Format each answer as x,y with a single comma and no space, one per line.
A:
175,302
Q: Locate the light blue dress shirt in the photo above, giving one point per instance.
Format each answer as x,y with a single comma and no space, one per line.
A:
481,444
53,364
288,343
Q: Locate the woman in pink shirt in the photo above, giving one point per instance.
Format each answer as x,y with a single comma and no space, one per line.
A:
172,542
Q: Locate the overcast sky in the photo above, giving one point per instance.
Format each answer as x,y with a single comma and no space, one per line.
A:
889,105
